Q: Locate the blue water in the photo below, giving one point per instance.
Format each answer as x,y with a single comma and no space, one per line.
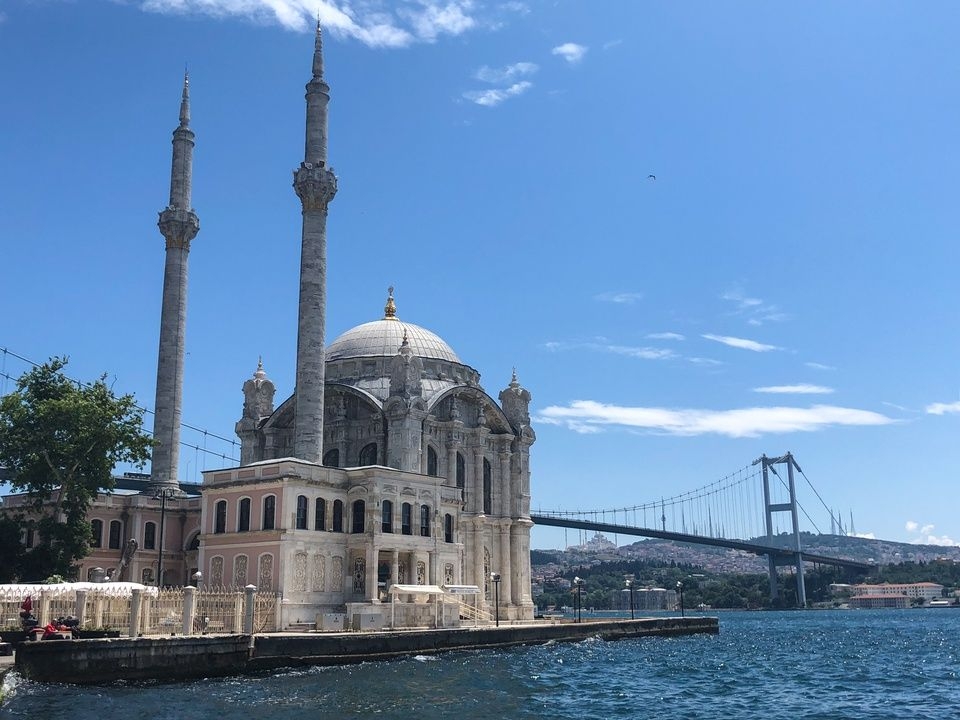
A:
856,665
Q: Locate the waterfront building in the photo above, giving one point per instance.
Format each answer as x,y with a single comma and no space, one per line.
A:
389,464
925,591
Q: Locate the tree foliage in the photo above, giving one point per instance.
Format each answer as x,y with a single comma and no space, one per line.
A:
60,441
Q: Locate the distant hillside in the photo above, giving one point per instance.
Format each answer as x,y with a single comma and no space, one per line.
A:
736,561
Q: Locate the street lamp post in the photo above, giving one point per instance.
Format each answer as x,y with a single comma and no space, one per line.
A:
495,578
680,589
629,584
197,579
163,494
578,583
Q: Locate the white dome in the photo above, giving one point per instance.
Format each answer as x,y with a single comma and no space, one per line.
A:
382,338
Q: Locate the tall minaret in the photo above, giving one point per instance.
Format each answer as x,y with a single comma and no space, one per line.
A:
316,185
178,224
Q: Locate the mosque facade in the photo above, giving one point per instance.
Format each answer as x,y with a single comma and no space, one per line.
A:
389,464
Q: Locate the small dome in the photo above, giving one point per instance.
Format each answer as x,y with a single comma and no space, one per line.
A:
382,338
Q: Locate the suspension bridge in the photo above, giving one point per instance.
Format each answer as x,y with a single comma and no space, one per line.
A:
754,509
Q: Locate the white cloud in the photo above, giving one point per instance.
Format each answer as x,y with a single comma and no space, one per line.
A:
741,343
704,361
495,96
641,352
754,309
376,23
799,389
612,44
621,298
819,366
926,536
743,422
943,408
665,336
505,74
571,52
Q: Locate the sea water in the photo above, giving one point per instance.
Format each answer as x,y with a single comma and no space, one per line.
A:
856,665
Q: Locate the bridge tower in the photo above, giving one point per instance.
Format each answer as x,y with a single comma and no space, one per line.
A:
770,508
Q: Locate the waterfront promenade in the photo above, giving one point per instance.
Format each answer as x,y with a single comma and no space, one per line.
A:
188,657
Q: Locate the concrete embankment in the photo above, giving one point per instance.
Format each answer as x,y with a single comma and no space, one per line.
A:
179,658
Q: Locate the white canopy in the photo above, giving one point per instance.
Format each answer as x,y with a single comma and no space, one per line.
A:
416,589
60,590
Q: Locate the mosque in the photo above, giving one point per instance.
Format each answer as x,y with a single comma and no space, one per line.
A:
389,465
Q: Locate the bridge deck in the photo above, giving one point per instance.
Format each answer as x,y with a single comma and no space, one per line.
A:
780,554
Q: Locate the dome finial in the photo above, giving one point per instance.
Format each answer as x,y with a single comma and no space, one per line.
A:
390,309
260,373
513,381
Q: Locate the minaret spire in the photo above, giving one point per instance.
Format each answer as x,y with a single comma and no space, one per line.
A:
185,101
179,225
316,186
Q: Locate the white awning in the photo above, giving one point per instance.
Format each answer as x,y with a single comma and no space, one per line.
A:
416,590
60,590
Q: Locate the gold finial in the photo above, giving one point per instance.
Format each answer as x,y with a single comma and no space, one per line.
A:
390,309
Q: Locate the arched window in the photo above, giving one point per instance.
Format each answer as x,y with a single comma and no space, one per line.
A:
114,535
269,512
150,536
461,472
359,513
338,515
487,487
405,520
220,517
431,461
320,515
243,517
96,530
301,512
386,517
425,520
368,456
332,458
448,528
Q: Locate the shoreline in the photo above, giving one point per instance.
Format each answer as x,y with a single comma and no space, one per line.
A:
97,662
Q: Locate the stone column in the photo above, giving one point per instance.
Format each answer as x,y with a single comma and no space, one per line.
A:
136,597
373,560
505,500
189,609
506,574
395,568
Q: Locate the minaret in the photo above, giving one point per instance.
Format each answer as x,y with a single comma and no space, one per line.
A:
179,225
316,185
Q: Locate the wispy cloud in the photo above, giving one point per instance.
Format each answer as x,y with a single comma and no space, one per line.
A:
819,366
621,298
665,336
756,311
799,389
494,96
376,23
741,343
642,353
926,536
612,44
705,361
571,52
591,416
943,408
505,74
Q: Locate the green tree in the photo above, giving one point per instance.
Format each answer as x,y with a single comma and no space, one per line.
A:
61,441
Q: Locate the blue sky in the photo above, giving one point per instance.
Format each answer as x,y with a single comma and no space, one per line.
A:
786,282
